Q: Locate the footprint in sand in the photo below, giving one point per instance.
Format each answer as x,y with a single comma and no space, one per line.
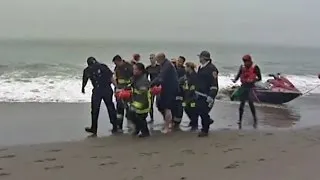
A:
4,174
138,178
99,146
261,159
54,167
105,157
101,157
218,145
157,166
148,153
177,164
45,160
188,151
268,134
183,178
109,163
234,165
231,149
7,156
4,149
54,150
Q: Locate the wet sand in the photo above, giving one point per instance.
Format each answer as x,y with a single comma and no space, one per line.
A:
285,146
33,123
226,154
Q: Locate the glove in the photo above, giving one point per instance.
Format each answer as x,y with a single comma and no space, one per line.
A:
210,101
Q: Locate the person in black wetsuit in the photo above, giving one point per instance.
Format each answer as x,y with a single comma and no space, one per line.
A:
206,89
249,74
153,71
101,78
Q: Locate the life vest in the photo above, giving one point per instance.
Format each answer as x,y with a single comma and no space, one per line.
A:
248,75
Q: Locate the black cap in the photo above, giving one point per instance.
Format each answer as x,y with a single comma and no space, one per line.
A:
205,55
117,58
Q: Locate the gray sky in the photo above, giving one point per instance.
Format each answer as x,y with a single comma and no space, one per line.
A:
258,21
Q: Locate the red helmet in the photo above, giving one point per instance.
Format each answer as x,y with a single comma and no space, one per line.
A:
247,57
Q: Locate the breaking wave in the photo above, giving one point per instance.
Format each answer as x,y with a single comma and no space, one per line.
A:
62,83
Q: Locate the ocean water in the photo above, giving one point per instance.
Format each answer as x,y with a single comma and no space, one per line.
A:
51,71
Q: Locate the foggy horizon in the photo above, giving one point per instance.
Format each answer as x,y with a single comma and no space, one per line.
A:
286,22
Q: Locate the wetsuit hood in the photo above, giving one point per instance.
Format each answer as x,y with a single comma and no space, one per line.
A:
91,61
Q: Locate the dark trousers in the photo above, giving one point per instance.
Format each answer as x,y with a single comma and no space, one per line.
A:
177,111
151,109
97,96
203,111
192,115
245,96
140,122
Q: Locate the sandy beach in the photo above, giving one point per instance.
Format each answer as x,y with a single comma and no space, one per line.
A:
226,154
47,141
33,123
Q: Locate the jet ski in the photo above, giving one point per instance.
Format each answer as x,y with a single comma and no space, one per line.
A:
276,90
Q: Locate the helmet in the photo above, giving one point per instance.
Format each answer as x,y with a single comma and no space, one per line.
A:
247,57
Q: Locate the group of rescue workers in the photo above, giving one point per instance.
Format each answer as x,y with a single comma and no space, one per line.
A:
176,86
